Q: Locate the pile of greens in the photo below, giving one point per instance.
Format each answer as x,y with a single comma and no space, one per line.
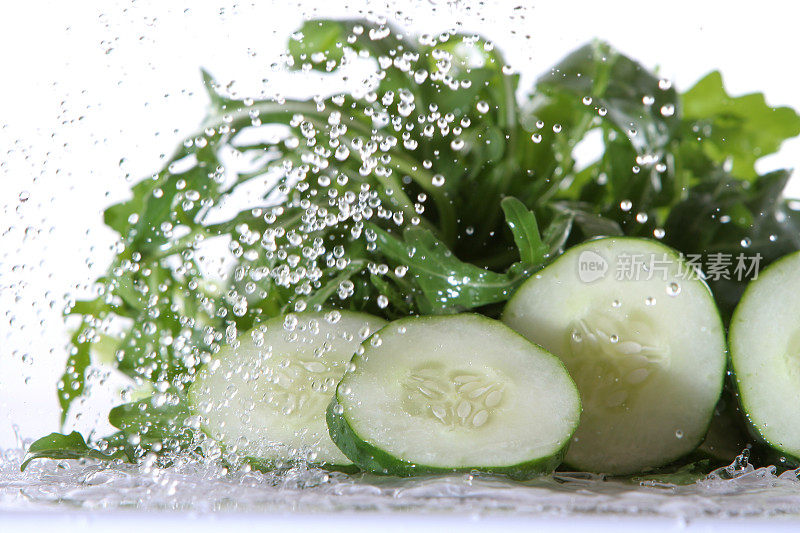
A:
438,189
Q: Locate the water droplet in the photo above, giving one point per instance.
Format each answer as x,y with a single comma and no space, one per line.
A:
664,84
587,100
678,434
438,180
641,218
482,107
537,138
673,289
626,205
556,128
24,196
650,301
667,110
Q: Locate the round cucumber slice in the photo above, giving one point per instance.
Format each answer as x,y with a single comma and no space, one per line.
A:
764,339
644,342
266,397
455,393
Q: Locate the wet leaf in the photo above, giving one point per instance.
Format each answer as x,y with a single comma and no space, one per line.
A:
522,222
740,129
61,446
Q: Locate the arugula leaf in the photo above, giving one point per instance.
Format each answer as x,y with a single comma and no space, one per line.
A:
448,284
741,129
532,250
71,446
144,418
638,105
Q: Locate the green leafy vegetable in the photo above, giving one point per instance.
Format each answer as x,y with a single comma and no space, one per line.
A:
739,129
523,225
72,446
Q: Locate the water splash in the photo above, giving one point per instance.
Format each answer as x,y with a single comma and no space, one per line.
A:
738,490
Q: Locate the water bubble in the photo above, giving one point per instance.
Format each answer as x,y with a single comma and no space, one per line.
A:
346,289
537,138
673,289
650,301
602,111
626,205
648,99
383,301
556,128
664,84
678,434
641,217
659,233
438,180
587,100
482,107
746,242
540,124
667,110
290,322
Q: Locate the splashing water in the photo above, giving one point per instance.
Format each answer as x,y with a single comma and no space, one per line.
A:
739,490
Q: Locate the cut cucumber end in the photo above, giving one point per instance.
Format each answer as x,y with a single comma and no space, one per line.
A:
765,354
647,353
450,394
265,399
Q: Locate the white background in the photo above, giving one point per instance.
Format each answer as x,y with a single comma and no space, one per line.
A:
94,91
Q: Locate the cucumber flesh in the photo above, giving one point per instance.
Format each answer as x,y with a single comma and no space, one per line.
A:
647,354
765,354
266,397
455,393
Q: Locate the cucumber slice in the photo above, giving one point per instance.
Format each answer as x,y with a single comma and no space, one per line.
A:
455,393
764,339
648,355
266,398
